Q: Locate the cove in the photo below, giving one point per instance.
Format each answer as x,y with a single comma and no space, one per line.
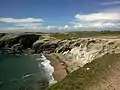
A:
20,72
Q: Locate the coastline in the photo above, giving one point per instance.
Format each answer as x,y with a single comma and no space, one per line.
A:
59,69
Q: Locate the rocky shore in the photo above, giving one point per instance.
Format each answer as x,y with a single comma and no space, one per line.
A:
65,55
77,52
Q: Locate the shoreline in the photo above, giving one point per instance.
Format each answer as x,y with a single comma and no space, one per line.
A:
59,69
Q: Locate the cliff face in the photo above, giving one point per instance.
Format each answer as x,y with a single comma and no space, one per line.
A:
78,52
15,43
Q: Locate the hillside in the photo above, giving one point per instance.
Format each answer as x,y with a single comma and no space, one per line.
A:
101,74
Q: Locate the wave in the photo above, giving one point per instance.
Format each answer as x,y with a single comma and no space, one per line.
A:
27,76
47,69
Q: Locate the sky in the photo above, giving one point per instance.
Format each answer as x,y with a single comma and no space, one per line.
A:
59,15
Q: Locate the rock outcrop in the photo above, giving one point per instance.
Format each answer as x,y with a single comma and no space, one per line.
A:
15,44
45,46
78,52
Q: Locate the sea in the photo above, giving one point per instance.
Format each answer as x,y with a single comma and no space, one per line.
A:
25,71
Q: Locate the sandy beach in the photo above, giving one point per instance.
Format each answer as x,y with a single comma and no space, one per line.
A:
60,71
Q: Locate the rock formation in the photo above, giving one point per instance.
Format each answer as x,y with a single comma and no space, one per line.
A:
15,44
78,52
73,53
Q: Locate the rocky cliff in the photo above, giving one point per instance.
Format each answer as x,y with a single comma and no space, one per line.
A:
73,53
16,43
77,52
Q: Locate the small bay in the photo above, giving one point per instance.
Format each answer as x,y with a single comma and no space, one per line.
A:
18,72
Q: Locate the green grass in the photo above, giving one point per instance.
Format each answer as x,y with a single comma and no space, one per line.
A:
85,34
82,79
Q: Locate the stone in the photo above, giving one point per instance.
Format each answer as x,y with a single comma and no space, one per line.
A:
16,49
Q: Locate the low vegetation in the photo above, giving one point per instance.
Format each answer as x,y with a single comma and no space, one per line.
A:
90,75
84,34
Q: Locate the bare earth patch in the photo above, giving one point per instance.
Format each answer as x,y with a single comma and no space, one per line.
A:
60,72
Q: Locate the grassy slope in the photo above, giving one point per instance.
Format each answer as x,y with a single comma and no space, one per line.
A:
83,79
85,34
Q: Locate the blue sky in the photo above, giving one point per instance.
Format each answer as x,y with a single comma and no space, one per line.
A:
58,14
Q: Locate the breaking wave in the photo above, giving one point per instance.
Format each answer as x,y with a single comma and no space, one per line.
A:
47,69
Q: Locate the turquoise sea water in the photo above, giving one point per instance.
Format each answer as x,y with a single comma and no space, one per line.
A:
19,72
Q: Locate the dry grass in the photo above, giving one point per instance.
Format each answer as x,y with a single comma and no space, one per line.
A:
103,74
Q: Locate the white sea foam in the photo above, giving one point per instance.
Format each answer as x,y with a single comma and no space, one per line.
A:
26,76
47,69
26,54
38,59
